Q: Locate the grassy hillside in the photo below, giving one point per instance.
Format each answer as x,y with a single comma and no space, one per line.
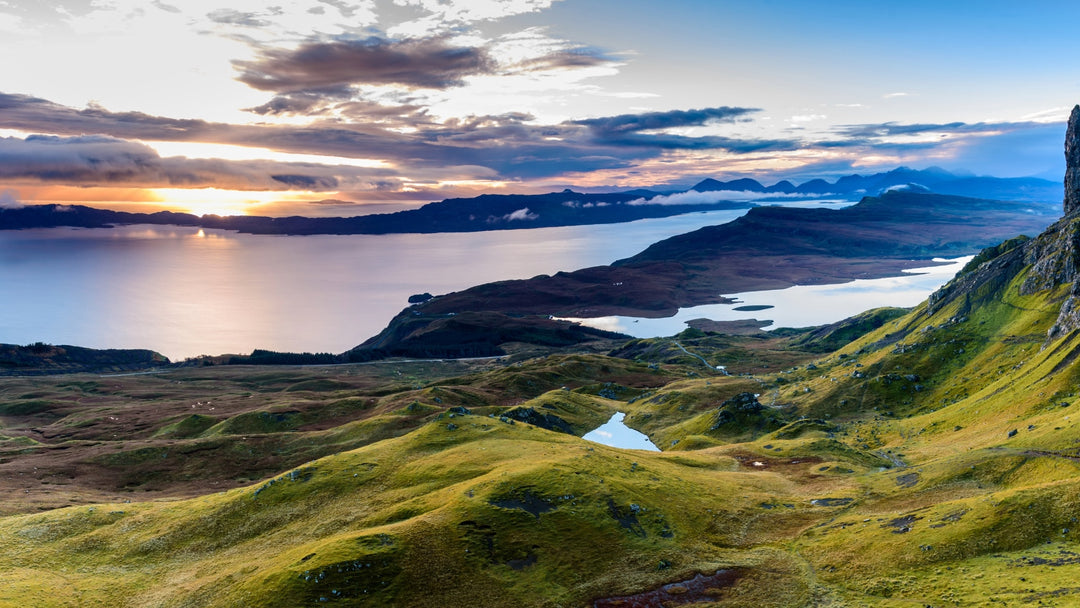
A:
927,458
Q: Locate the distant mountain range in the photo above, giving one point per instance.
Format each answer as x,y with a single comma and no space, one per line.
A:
768,248
934,179
565,208
482,213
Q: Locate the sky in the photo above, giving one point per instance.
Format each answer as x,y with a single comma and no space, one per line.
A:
342,107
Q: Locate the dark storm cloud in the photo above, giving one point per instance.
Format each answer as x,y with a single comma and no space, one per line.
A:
307,182
97,160
632,123
27,113
505,146
501,145
430,63
34,114
864,133
572,58
709,142
306,103
628,130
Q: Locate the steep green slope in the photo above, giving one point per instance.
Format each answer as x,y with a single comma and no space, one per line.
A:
975,404
933,460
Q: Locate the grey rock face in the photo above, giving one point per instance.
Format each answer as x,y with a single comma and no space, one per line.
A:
1072,163
1053,257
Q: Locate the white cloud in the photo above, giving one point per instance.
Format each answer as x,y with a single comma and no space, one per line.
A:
521,215
444,15
1059,114
631,95
807,117
906,187
897,94
9,199
11,24
693,197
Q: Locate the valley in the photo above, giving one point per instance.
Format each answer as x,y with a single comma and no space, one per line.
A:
539,304
921,456
928,457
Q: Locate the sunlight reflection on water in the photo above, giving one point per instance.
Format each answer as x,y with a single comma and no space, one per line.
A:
190,291
798,306
617,435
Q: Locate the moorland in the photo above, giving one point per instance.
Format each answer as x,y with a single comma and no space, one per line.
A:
901,457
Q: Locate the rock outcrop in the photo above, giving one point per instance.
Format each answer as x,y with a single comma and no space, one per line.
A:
1052,258
1072,163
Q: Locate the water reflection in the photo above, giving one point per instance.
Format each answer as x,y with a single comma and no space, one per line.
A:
190,291
617,435
798,306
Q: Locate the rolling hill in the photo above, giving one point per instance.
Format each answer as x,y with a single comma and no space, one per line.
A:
926,457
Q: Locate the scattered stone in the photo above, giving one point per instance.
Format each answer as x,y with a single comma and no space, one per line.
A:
525,500
627,518
529,415
901,525
1013,433
908,480
831,502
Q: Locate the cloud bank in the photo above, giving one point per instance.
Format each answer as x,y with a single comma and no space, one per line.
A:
426,63
96,160
693,197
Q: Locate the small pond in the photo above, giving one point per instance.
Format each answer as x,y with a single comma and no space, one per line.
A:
617,435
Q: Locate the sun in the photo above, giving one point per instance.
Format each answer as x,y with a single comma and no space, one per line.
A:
216,201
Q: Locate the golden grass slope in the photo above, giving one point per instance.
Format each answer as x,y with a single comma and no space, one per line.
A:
932,461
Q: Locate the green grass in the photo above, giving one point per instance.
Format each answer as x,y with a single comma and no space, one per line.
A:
885,473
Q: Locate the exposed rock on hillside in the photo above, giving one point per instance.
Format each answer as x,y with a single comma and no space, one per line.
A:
1053,256
1072,162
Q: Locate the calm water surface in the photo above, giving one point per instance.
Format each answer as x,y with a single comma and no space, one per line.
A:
615,433
186,292
801,305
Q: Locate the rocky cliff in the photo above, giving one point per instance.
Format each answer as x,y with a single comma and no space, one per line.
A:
1072,162
1053,256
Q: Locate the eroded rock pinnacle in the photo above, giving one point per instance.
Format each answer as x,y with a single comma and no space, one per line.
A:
1072,163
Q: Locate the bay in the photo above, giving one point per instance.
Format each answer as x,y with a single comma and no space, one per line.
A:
800,305
185,292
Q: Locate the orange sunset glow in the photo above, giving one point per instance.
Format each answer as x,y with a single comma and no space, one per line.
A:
277,110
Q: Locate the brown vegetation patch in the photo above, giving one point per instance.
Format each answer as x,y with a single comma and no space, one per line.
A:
701,588
765,463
